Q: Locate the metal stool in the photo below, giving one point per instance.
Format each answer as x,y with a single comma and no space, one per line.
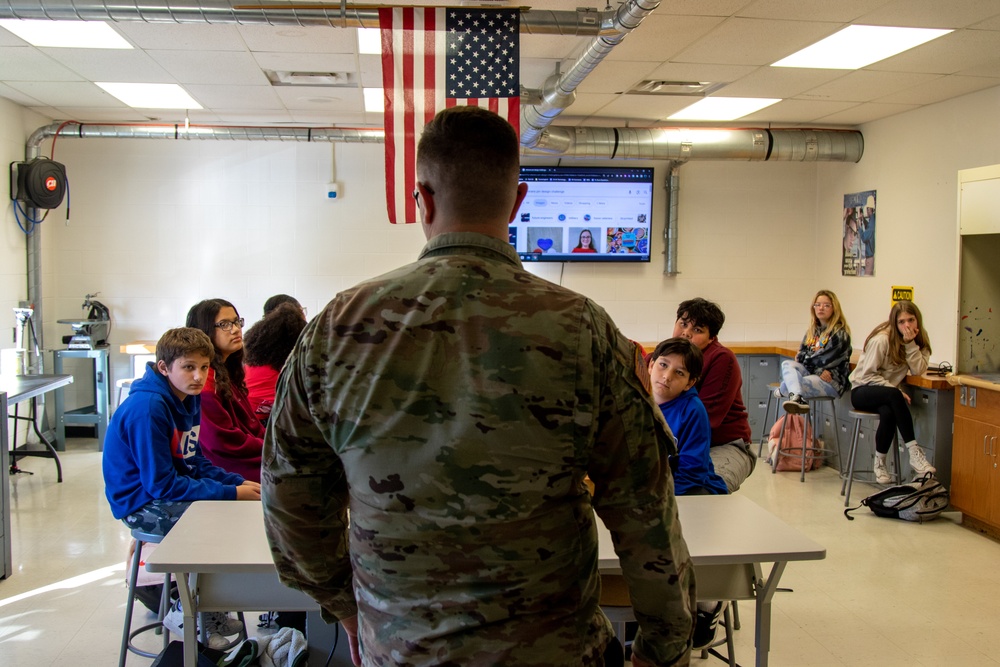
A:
811,453
128,634
773,394
845,488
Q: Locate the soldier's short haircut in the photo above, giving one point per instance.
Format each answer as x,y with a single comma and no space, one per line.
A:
470,156
183,342
702,312
688,351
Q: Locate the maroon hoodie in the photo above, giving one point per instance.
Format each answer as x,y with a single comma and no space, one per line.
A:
231,435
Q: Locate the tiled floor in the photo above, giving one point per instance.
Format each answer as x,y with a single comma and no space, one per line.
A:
889,594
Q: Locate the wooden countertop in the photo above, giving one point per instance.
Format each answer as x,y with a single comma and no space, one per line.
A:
789,348
972,381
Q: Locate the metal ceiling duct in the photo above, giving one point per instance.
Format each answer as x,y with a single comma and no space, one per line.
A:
559,91
697,143
582,22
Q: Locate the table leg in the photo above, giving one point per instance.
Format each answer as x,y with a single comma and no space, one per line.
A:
44,440
765,589
186,584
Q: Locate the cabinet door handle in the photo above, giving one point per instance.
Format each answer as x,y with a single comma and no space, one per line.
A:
993,448
985,438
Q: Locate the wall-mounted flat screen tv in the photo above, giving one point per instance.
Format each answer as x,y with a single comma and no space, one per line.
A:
584,214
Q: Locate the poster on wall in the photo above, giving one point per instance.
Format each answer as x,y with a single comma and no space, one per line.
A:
859,234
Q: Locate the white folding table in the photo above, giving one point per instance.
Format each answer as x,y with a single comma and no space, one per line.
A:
729,537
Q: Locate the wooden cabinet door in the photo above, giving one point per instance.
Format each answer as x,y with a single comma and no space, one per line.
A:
972,473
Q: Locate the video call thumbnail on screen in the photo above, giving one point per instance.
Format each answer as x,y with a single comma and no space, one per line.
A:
596,214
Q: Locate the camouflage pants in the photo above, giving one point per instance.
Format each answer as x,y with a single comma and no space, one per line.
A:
157,517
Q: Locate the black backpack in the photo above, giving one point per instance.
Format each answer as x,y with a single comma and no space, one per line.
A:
921,500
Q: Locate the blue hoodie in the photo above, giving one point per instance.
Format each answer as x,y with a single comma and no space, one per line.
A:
151,450
688,421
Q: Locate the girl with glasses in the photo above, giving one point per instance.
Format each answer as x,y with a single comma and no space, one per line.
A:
822,365
231,435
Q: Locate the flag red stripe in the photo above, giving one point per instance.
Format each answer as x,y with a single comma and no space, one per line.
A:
388,81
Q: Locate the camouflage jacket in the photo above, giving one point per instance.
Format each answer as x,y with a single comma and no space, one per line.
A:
455,406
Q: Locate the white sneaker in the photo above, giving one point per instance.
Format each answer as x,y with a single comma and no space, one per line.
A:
918,462
174,620
881,471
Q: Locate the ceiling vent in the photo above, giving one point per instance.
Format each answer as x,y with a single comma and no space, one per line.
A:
661,87
314,79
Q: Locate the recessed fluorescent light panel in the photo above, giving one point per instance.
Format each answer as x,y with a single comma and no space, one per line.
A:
151,95
374,99
369,41
856,46
76,34
723,108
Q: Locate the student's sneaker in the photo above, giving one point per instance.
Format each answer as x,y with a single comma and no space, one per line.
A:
795,405
918,462
222,623
705,625
174,622
881,471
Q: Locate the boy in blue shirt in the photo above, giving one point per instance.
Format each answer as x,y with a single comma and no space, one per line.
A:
153,466
674,368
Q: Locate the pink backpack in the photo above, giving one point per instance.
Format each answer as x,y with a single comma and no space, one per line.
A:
797,431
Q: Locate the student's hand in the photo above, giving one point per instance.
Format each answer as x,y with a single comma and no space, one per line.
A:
351,628
908,332
248,491
826,376
906,397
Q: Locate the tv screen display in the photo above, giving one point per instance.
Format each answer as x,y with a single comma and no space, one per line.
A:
584,214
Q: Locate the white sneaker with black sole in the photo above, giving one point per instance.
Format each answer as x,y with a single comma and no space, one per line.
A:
174,622
918,462
881,471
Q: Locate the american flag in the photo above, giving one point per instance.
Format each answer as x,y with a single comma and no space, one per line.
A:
438,57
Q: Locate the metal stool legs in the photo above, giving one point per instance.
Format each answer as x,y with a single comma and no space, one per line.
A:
128,634
845,487
764,430
810,454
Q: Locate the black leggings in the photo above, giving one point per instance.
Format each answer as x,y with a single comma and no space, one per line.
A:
892,410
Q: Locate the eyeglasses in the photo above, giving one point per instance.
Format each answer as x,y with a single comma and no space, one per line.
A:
416,191
227,325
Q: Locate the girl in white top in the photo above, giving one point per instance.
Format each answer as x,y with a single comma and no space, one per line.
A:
894,349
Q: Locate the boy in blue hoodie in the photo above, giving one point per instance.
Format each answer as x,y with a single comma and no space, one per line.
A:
153,466
674,368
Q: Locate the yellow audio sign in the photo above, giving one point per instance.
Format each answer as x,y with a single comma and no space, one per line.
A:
902,293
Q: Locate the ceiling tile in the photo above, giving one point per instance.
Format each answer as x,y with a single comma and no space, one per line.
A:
341,118
797,111
103,114
587,104
126,66
552,46
182,36
989,68
307,62
932,13
26,63
864,113
660,37
701,72
864,86
702,7
224,67
754,41
780,82
67,93
310,98
298,39
17,96
235,97
615,77
940,89
840,11
255,117
645,107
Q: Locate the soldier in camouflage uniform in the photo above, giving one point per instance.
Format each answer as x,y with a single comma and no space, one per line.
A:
455,406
